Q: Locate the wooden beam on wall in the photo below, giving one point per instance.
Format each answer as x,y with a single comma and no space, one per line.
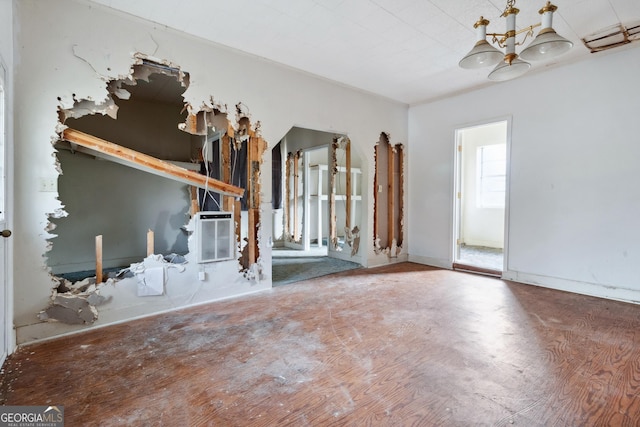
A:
376,159
226,159
287,202
296,171
195,207
99,259
237,218
252,236
347,150
333,170
255,150
390,191
128,157
400,172
150,243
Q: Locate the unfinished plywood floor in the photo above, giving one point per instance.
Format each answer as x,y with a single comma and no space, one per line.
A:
399,345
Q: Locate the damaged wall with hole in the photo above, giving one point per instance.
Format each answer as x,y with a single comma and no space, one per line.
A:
90,47
117,201
314,208
389,202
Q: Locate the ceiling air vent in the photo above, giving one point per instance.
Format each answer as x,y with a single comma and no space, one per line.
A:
611,37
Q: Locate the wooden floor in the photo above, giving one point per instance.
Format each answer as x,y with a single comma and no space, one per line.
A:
398,345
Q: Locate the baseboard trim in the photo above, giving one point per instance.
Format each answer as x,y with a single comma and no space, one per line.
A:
432,262
383,259
583,288
477,270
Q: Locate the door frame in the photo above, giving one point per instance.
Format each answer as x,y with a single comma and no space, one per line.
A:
457,189
8,346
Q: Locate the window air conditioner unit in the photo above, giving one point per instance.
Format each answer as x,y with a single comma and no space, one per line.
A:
214,236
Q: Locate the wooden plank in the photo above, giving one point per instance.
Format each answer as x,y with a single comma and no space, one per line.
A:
254,159
128,157
99,259
390,199
252,236
347,220
225,151
228,203
255,183
250,187
400,172
376,160
192,124
237,219
333,167
319,206
150,243
287,201
195,207
258,147
296,228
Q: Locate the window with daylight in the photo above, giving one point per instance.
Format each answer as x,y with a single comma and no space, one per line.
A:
492,171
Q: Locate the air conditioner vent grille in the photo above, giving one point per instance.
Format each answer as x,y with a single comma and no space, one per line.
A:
214,236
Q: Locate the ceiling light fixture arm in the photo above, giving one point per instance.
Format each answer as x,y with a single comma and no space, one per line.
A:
501,38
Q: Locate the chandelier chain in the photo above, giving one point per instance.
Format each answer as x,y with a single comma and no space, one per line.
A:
510,4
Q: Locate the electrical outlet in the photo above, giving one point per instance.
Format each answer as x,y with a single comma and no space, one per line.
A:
202,275
48,185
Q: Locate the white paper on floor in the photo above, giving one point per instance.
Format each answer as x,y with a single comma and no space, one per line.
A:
151,282
150,274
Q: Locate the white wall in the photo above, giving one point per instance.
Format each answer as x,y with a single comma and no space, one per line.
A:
91,45
574,196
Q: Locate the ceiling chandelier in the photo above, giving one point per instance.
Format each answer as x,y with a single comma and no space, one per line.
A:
547,44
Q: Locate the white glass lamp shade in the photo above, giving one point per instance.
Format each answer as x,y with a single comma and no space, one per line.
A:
482,55
505,71
548,44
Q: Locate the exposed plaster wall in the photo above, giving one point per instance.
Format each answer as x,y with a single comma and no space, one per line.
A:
574,196
91,45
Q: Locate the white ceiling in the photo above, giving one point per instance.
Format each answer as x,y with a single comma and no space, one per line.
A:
406,50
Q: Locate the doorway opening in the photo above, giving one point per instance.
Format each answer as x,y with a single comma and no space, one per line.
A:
317,213
481,194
